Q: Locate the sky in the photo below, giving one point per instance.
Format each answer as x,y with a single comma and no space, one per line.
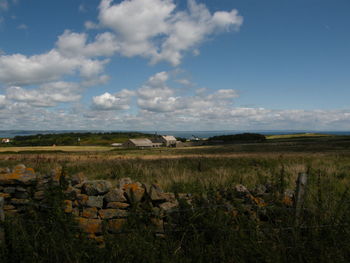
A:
175,65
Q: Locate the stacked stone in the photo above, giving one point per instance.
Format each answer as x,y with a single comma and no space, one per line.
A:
97,203
16,188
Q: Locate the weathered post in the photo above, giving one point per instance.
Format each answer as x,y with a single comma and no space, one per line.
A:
2,219
300,195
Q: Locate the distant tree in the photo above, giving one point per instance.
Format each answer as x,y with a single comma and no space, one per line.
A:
242,137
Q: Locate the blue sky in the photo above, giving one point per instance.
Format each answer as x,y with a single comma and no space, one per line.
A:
175,64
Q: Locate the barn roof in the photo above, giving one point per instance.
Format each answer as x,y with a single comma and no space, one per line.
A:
169,138
141,142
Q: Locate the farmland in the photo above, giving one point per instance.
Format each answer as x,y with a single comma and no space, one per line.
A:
203,171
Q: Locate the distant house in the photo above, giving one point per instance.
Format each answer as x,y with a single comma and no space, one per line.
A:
140,143
168,140
5,140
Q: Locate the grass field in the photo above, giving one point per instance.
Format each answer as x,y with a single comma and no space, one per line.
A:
56,149
207,234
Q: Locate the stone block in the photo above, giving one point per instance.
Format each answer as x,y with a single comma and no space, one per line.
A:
95,201
115,195
90,212
97,187
124,181
117,205
39,195
10,190
90,226
112,213
19,175
134,192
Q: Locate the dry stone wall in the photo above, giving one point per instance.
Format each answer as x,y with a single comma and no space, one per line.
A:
97,205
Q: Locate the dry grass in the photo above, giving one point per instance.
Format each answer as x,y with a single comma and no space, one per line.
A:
57,148
297,135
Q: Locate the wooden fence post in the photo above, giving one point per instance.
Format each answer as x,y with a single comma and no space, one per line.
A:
300,195
2,219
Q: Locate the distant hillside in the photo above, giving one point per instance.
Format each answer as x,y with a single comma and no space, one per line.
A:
71,139
242,137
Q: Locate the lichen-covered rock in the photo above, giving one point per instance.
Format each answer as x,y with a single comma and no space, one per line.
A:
15,201
9,207
112,213
78,178
95,201
10,190
97,187
167,207
115,195
68,207
90,226
154,192
72,192
5,195
82,199
116,225
4,170
134,192
19,175
39,195
124,181
117,205
90,212
21,189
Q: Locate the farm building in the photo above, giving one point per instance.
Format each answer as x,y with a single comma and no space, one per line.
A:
168,140
5,140
141,143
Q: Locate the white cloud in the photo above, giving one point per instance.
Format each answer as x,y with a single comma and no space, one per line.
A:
118,101
72,55
47,95
153,29
91,25
75,44
22,26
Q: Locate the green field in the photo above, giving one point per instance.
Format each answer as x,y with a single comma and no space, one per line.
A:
208,234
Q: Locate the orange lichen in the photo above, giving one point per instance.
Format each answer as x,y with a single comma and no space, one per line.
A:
68,208
133,187
287,201
90,212
5,195
90,226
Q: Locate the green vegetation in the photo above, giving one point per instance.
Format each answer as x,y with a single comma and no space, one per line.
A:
297,135
76,138
243,137
206,233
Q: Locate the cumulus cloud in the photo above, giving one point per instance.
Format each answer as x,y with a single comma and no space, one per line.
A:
118,101
73,54
153,29
47,95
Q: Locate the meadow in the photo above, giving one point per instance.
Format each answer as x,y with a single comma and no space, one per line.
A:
207,234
